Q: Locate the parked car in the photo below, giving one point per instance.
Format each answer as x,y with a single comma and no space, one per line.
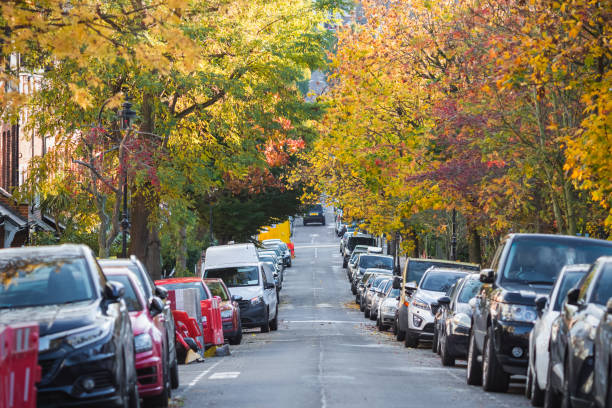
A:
548,309
379,295
150,291
370,292
388,310
524,267
602,351
83,323
150,348
413,271
239,268
453,320
434,284
267,243
230,310
277,274
352,241
363,281
278,259
371,261
570,368
314,214
348,231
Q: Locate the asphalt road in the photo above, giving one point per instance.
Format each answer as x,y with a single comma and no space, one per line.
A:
325,354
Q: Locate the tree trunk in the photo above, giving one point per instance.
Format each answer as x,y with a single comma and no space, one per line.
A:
181,254
475,252
569,207
144,236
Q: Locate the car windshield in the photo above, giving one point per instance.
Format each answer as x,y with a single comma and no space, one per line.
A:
235,276
188,285
354,241
570,280
440,281
365,277
28,282
318,208
217,289
378,282
144,278
539,260
602,291
470,289
393,293
267,259
373,261
417,268
131,300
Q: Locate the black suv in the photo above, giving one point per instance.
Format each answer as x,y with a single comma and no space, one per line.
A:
314,214
86,344
524,267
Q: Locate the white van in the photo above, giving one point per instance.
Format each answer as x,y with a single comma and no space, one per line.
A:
248,279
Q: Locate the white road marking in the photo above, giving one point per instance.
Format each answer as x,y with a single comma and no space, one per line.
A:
316,252
225,376
324,305
316,246
321,379
200,376
326,321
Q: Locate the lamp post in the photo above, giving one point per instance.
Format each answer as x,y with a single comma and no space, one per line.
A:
126,115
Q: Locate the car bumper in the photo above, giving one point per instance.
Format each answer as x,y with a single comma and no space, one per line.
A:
252,315
420,323
457,345
508,337
63,374
229,330
314,218
149,372
387,319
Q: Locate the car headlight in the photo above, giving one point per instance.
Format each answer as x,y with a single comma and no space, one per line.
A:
89,335
256,300
420,303
226,314
461,319
517,313
142,342
388,309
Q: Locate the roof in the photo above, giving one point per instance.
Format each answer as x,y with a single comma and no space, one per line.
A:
44,251
12,216
446,261
558,237
177,280
445,269
577,267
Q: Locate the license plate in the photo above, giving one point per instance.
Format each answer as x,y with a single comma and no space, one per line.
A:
314,214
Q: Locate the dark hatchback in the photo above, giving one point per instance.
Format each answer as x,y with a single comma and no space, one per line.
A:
86,348
314,214
524,267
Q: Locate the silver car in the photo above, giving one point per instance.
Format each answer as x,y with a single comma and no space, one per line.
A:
369,292
379,296
388,309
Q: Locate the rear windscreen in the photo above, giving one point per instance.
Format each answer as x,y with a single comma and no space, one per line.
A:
354,241
235,276
416,269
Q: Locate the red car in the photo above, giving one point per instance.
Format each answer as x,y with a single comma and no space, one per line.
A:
187,283
230,310
149,340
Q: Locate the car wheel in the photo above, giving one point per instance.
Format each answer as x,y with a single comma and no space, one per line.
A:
237,339
411,341
445,356
366,312
493,377
536,393
354,291
399,334
373,316
274,322
265,328
379,324
474,369
174,375
529,380
551,397
289,263
566,401
344,263
434,341
361,305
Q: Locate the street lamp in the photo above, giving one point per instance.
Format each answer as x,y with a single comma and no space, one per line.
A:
126,115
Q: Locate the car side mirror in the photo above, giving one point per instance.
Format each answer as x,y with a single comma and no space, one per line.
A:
161,292
572,296
397,282
444,301
487,275
269,285
410,288
434,307
609,306
236,298
114,291
156,306
473,303
540,303
397,298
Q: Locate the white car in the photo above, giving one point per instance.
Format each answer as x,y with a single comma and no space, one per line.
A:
433,285
548,310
